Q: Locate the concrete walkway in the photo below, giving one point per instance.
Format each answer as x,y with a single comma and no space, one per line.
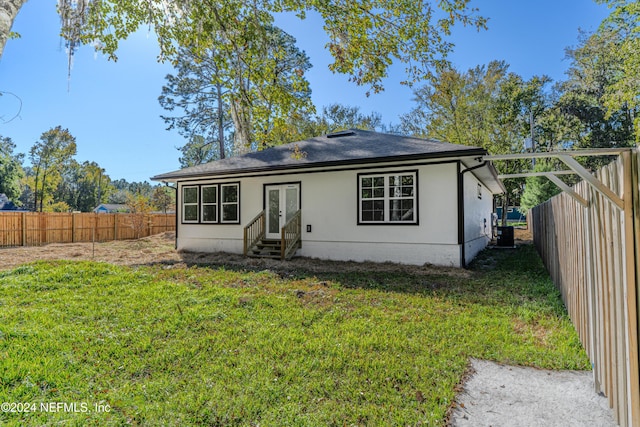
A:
500,395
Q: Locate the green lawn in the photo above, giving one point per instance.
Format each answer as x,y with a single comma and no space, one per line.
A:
209,346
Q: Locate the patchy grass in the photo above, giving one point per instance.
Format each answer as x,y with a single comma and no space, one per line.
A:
212,346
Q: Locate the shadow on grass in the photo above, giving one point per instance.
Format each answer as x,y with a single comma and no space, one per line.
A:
496,276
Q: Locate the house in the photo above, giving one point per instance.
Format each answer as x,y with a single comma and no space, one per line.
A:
8,205
513,214
352,195
111,208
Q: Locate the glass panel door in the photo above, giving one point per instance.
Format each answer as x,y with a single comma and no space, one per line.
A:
291,202
282,202
273,212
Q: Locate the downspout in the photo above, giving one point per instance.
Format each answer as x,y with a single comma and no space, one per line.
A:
175,243
463,257
461,215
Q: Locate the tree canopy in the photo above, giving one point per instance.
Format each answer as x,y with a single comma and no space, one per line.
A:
49,157
486,106
56,182
221,93
11,172
595,69
538,189
624,91
365,36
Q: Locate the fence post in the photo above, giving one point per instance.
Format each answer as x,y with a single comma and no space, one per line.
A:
115,226
630,198
43,224
591,293
24,229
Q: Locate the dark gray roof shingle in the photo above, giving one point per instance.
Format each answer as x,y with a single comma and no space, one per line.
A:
348,147
7,205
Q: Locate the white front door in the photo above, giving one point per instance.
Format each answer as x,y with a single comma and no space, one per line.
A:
282,202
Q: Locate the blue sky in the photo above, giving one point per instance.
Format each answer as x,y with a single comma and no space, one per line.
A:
112,108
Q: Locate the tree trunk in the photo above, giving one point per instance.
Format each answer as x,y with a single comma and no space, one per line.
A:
220,120
44,182
242,127
8,11
35,191
505,208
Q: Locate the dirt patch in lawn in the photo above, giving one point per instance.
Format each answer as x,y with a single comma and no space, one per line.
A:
522,235
159,249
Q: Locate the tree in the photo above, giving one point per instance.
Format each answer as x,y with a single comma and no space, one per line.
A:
8,13
333,118
163,198
11,172
337,117
458,107
538,189
49,156
197,91
595,69
197,151
516,106
556,130
83,186
140,206
622,94
365,37
486,106
267,85
253,88
121,188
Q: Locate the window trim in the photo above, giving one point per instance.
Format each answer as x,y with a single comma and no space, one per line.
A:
183,204
218,203
386,175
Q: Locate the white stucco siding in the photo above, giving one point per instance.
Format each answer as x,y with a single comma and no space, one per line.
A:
330,206
398,252
329,202
223,237
478,205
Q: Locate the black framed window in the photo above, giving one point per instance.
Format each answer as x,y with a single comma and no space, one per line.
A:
190,201
388,198
211,203
372,199
230,202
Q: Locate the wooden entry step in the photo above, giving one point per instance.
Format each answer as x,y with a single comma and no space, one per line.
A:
266,249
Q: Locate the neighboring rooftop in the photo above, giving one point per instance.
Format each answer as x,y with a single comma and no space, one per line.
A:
7,205
346,147
111,208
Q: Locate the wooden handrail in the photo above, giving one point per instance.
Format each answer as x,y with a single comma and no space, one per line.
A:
254,231
291,235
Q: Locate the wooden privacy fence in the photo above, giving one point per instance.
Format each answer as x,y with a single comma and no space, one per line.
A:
39,228
592,254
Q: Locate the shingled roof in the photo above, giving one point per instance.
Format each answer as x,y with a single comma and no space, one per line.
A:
8,205
353,146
